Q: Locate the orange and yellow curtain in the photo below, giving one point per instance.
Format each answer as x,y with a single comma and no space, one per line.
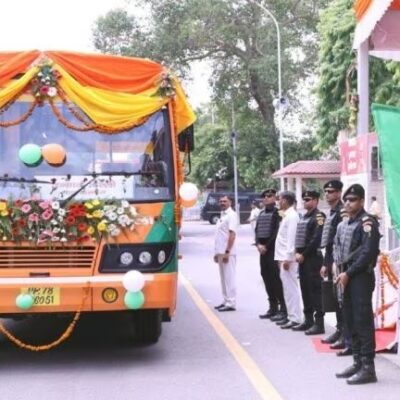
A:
115,92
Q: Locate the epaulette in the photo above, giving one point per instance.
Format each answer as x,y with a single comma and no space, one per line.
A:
320,217
367,223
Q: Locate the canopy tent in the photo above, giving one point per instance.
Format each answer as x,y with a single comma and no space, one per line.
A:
377,20
114,92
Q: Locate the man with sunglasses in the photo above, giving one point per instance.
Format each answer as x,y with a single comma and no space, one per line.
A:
309,257
266,230
333,194
358,242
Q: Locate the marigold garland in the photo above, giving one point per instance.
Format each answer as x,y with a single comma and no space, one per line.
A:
387,269
21,119
63,337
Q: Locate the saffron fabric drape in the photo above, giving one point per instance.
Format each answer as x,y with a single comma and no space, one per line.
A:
361,7
115,92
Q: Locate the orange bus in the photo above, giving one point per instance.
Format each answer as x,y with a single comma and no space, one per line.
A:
90,170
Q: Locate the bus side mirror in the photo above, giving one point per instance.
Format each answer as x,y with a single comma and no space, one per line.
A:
186,140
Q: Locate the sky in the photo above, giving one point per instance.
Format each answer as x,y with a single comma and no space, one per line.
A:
67,25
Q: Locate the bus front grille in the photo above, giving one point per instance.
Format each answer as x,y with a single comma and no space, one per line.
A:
41,257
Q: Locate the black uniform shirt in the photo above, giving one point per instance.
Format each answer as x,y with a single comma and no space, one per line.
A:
275,220
336,220
365,244
313,233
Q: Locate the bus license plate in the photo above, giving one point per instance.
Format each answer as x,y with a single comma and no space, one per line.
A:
45,296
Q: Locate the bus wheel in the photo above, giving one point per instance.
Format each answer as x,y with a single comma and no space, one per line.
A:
213,219
146,326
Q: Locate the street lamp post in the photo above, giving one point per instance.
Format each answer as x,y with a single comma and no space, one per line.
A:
280,105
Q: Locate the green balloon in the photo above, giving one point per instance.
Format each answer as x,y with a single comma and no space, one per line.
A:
24,301
134,300
30,154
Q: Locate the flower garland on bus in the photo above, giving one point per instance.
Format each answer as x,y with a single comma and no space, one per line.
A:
42,221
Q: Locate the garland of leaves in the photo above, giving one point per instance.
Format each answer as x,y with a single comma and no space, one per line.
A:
63,337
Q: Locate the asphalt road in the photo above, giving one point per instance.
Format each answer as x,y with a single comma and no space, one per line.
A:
202,354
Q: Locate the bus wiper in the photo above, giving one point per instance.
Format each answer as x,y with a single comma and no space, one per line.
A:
23,180
72,195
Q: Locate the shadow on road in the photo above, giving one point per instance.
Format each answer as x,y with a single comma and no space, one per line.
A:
103,339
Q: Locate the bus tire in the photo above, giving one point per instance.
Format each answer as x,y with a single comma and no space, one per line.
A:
213,219
146,326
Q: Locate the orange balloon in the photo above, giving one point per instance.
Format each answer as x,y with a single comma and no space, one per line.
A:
54,154
188,203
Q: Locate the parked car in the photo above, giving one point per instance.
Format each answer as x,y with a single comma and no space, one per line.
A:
211,211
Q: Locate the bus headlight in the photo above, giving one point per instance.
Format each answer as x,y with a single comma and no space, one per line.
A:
126,258
161,256
145,258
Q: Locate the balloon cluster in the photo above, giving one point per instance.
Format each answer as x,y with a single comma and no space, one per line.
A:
133,282
188,193
32,155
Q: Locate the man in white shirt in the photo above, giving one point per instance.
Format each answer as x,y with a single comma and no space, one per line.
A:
225,253
285,254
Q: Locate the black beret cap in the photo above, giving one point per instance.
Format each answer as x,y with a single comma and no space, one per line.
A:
334,184
268,191
355,190
311,193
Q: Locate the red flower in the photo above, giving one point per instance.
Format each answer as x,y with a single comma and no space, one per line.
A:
83,238
82,227
18,203
22,223
44,90
70,220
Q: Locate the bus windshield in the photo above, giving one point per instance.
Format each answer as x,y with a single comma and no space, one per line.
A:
135,165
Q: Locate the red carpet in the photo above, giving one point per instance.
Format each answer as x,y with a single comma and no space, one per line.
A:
383,337
321,347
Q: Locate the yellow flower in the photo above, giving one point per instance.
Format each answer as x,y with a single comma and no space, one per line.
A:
4,213
98,213
89,216
102,226
90,230
3,205
96,202
88,205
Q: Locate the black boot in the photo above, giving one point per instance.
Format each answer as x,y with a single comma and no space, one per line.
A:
270,313
364,375
353,369
317,328
307,324
334,337
339,344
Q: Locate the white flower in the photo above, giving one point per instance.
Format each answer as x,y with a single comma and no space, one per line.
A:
133,211
124,204
62,230
120,210
112,216
115,232
111,227
54,222
61,212
123,220
63,239
60,218
56,230
52,91
55,205
55,239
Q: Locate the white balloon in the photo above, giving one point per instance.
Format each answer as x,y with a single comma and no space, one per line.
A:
133,281
188,191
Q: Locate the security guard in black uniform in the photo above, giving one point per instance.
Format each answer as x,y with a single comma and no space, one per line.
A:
309,257
333,194
359,249
266,230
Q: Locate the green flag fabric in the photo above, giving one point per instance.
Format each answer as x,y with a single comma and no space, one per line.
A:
387,123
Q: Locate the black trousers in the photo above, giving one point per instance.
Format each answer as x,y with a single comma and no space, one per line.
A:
310,284
339,308
359,317
272,280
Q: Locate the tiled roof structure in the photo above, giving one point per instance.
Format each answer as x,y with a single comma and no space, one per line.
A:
310,169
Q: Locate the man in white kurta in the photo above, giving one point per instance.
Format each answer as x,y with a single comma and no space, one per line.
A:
225,254
285,255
